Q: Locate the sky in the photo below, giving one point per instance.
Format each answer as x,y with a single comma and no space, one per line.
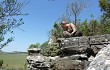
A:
41,18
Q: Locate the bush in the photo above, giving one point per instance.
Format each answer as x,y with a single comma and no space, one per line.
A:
51,50
1,63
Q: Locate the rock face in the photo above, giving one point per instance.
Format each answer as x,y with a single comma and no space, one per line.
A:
77,53
36,61
101,61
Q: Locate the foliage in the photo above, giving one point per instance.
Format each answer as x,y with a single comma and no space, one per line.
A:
51,50
9,10
45,44
94,27
89,28
84,27
1,63
105,19
105,7
34,45
98,27
56,32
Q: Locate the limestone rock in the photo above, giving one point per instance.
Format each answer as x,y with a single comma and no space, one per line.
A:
77,53
36,61
101,61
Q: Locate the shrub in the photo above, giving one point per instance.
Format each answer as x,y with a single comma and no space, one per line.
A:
1,63
51,50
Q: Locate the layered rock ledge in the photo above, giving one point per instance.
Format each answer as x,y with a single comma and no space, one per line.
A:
77,53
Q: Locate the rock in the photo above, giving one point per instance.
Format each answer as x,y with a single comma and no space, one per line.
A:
54,58
77,53
66,64
73,48
73,41
101,61
97,39
36,61
91,58
80,45
78,57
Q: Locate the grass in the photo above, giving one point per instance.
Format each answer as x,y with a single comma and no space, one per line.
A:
14,60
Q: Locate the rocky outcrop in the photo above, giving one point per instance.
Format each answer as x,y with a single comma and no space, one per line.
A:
77,53
80,51
81,45
101,61
36,61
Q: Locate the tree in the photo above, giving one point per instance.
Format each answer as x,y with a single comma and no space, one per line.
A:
65,17
105,19
75,7
9,10
105,7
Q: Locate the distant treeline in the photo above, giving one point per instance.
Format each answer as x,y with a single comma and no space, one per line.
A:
14,53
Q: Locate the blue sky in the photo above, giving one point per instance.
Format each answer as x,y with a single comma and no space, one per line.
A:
41,18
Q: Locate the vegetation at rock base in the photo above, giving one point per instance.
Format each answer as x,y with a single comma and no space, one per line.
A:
51,50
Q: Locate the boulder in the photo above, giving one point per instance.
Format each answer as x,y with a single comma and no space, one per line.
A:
67,64
101,61
36,61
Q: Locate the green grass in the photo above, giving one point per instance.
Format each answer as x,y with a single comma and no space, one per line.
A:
14,60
